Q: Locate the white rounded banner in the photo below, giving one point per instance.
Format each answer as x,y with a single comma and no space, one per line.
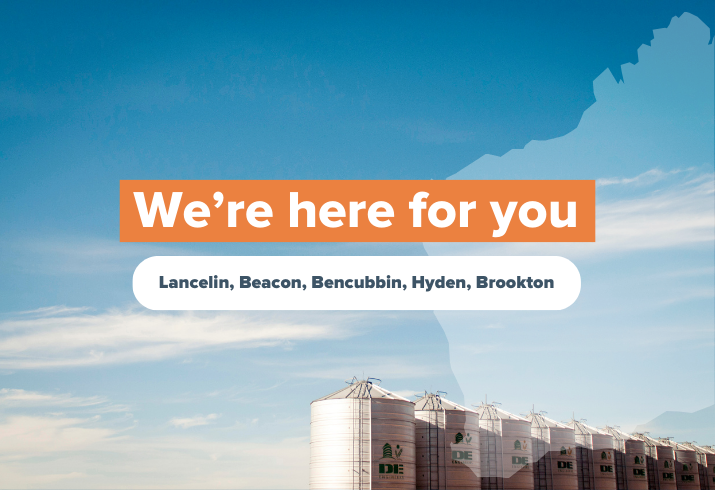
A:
356,283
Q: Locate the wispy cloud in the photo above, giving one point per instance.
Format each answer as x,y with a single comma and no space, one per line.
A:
13,400
408,393
185,423
646,178
25,436
21,398
62,452
80,255
129,335
54,310
679,216
400,366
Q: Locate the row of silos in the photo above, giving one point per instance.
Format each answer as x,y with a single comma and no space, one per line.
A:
686,465
365,437
706,464
660,463
630,468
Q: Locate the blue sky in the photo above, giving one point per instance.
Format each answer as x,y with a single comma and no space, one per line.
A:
104,394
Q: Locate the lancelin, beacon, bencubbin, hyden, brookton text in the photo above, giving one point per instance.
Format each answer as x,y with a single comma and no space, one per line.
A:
377,282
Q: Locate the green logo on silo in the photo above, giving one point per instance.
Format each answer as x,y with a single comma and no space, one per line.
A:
462,438
387,451
517,445
563,450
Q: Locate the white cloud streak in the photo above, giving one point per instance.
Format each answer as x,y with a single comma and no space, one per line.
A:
78,453
10,397
124,336
677,217
185,423
649,177
680,216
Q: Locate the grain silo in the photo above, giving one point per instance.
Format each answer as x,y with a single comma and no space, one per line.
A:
595,458
505,449
631,471
553,451
710,470
686,466
362,437
660,461
447,445
706,465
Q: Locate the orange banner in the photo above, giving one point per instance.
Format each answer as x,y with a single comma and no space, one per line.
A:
357,210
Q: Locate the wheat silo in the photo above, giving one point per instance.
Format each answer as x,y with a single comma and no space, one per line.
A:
703,452
553,450
505,449
631,471
362,437
660,461
447,445
686,466
710,469
595,458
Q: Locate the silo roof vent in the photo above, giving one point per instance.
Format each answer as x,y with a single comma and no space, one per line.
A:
539,420
433,401
649,441
581,428
364,389
617,433
490,411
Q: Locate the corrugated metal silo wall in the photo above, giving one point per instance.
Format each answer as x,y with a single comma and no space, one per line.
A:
659,464
604,462
702,469
686,469
710,471
635,465
506,458
584,461
393,444
631,471
340,444
665,470
448,452
554,454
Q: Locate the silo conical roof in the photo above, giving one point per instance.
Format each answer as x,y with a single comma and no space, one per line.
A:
364,389
487,411
675,445
432,401
679,446
695,447
582,429
617,433
650,441
540,420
